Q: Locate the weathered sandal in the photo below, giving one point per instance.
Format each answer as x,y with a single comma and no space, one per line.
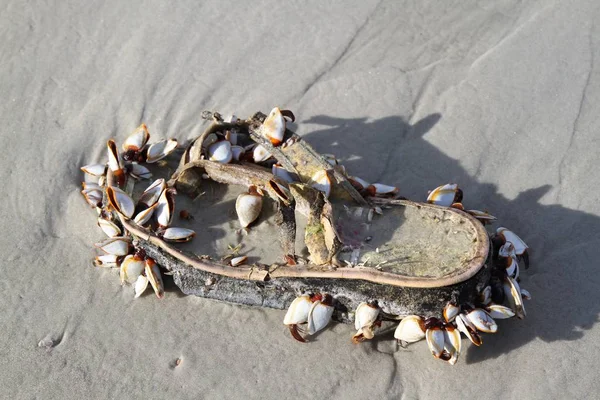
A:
366,255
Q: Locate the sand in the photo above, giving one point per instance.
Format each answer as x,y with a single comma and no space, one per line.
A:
496,96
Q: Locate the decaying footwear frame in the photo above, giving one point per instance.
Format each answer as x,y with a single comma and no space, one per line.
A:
369,256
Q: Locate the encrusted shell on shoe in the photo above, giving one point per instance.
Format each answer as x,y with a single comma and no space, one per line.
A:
248,207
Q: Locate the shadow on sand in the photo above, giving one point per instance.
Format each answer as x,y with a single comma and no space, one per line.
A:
561,279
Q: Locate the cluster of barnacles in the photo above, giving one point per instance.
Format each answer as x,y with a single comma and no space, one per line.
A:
110,195
109,190
443,336
228,146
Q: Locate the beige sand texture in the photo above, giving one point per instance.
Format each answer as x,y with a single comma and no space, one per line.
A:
500,97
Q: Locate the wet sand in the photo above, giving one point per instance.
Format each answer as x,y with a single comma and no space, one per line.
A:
499,98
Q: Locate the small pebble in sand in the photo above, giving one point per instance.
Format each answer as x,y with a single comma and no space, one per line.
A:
46,343
185,214
175,363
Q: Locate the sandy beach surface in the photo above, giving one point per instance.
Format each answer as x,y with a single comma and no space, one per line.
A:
500,97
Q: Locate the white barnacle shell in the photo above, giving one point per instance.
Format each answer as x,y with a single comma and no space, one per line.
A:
144,216
482,321
435,340
411,329
153,275
260,154
220,152
248,206
512,291
364,321
498,311
138,171
381,189
178,234
118,246
238,261
107,261
93,196
466,327
452,343
273,128
109,227
114,162
509,236
140,285
120,201
153,192
159,150
443,195
450,311
90,185
165,209
138,139
322,182
366,315
131,268
283,174
297,312
94,169
319,316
